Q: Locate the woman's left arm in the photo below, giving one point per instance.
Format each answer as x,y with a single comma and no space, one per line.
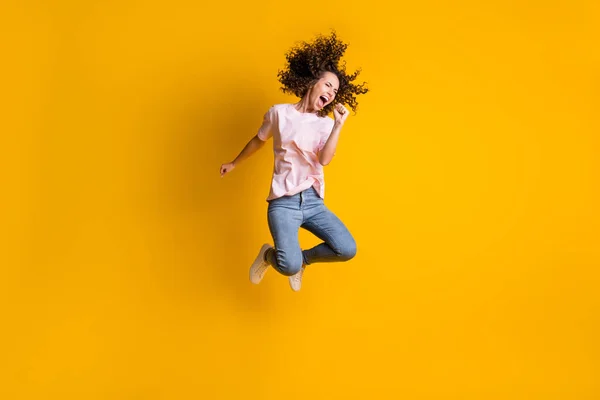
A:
326,154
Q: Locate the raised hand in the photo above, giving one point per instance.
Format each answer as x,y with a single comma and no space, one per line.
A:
341,113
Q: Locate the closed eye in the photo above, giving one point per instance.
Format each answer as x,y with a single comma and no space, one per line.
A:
330,85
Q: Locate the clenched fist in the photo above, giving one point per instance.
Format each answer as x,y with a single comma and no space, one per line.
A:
341,113
225,168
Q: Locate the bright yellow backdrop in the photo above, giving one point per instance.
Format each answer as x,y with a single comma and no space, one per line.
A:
469,178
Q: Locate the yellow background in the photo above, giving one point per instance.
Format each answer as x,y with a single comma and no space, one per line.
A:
469,178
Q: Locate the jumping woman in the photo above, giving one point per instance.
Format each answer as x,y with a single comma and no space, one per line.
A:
304,141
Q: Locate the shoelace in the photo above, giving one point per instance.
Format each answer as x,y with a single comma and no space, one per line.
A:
262,268
298,277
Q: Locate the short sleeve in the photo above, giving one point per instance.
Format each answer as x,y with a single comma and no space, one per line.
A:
266,129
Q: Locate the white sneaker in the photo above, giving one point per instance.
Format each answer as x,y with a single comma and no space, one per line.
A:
296,280
259,266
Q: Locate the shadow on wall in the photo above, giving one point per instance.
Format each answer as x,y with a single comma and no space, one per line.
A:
217,221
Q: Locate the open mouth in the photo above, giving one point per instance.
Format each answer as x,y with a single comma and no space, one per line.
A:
323,100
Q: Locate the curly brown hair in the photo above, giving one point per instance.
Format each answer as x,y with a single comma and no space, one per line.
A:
306,62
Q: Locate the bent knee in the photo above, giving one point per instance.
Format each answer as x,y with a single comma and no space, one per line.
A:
348,251
289,267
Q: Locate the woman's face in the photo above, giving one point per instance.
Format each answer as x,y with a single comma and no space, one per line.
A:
324,91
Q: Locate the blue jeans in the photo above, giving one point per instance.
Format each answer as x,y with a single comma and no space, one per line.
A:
306,210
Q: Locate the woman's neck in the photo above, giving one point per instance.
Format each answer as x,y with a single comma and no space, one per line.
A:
304,107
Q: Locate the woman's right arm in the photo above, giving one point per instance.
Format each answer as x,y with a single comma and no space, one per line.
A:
256,143
251,147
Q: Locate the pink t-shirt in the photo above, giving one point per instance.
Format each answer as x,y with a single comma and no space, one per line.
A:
297,139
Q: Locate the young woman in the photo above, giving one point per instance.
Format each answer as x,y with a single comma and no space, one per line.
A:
304,140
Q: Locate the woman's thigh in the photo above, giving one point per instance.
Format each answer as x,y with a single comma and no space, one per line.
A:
325,225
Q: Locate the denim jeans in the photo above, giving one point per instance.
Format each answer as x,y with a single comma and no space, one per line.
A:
306,210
